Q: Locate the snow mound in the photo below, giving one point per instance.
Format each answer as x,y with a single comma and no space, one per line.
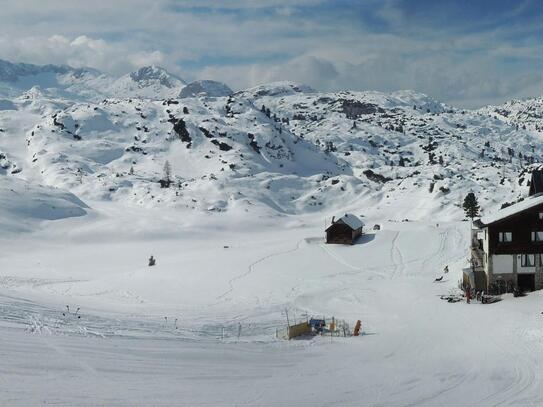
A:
22,203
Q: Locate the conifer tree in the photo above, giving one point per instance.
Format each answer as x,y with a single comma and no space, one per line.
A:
471,206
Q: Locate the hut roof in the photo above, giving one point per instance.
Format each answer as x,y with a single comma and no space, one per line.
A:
350,220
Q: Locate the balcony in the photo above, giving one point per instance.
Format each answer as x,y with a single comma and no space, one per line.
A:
477,257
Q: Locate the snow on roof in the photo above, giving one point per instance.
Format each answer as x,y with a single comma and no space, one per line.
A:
527,203
351,220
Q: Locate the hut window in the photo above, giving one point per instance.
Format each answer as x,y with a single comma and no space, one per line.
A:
527,260
540,215
537,236
505,236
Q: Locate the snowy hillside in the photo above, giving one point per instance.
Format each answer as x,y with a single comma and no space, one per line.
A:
526,114
280,147
22,204
231,193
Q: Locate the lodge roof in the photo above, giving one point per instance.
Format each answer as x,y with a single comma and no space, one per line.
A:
514,209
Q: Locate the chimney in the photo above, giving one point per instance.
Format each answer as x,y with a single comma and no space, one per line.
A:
333,219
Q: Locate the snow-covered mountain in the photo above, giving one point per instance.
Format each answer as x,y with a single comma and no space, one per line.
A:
205,88
526,113
281,147
148,82
86,84
59,81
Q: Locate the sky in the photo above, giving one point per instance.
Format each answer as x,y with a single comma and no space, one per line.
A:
466,53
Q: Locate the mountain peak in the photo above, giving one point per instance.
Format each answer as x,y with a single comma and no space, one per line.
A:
152,74
279,88
205,88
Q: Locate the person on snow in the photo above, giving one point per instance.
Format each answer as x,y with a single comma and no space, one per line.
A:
446,269
152,261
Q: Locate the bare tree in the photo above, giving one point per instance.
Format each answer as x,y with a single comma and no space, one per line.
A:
167,175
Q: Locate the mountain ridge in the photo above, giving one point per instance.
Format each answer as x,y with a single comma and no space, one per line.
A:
280,148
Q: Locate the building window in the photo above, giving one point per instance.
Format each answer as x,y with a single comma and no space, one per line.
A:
540,259
505,236
537,236
527,260
540,215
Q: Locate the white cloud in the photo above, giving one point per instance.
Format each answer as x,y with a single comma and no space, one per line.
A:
258,41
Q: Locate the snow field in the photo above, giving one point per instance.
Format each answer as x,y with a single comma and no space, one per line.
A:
416,349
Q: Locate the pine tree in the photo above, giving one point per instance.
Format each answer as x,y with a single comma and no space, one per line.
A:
471,206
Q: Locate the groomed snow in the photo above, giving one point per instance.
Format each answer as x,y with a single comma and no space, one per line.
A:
224,274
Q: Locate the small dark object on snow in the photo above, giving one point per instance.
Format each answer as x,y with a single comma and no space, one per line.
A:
489,299
226,247
518,293
152,261
446,269
438,279
376,227
452,298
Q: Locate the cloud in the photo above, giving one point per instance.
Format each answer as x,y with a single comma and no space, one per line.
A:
81,51
331,45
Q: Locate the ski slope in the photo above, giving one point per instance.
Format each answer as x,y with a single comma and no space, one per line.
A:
127,348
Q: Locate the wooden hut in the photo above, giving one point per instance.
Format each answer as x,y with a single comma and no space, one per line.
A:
344,230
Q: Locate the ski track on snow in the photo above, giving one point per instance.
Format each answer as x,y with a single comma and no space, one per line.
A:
251,267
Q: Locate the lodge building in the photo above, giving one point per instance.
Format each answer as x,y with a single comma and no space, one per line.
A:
507,247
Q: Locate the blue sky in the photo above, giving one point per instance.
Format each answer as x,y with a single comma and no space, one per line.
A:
467,53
